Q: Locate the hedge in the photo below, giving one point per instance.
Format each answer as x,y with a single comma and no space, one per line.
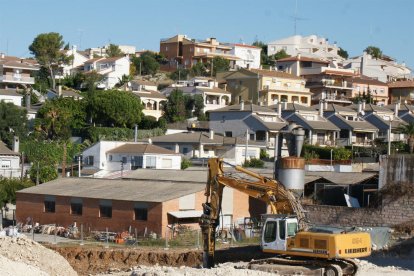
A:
325,152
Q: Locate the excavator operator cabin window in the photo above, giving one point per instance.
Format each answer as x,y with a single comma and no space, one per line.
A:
282,229
292,228
270,232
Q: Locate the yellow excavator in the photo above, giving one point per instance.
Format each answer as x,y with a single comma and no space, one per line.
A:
285,233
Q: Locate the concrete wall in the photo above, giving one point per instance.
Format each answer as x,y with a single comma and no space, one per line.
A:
391,213
397,168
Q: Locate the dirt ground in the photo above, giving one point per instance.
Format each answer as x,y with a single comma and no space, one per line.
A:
398,260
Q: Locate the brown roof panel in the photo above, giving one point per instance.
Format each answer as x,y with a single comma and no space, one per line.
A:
275,74
401,84
301,58
142,149
6,151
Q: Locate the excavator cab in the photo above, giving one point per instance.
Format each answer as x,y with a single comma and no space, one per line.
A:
277,231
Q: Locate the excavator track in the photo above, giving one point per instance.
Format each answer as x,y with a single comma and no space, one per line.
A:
290,266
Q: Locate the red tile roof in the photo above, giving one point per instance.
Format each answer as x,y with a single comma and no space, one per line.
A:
296,58
401,84
275,74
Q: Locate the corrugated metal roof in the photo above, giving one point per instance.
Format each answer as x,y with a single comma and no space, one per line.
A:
186,214
126,190
343,178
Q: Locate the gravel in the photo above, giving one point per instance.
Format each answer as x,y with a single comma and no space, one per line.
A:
22,256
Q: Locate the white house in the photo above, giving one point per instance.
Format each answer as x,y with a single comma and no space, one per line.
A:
112,70
77,61
9,160
114,156
11,96
249,55
383,69
309,46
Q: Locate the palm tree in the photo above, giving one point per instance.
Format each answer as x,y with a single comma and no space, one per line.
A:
408,129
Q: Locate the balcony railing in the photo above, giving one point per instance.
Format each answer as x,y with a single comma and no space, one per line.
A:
17,79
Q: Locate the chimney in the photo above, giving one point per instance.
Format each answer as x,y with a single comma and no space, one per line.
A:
321,104
359,108
90,54
16,143
363,104
59,90
242,105
279,109
211,134
248,66
1,55
325,106
397,108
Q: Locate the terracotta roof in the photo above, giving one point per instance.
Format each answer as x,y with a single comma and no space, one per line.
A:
111,59
358,125
335,108
294,107
321,124
149,94
93,60
333,72
302,58
401,84
10,92
366,80
68,93
18,64
141,148
275,74
372,107
247,108
246,46
5,150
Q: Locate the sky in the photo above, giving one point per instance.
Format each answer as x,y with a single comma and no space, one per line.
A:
353,24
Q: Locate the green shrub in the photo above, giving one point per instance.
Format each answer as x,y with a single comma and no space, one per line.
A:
185,163
313,152
254,163
264,154
96,134
309,155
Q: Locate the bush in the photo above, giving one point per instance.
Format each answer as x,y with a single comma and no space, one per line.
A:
254,163
185,163
264,154
96,134
325,152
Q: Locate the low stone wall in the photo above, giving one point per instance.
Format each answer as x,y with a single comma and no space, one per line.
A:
392,212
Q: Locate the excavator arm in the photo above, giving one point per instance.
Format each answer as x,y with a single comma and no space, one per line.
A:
272,192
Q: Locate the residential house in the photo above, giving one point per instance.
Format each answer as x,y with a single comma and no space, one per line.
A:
249,56
10,160
11,96
318,129
382,118
77,61
101,51
213,97
266,87
326,80
150,97
64,93
114,156
309,46
401,91
16,72
188,125
144,204
208,144
363,85
384,69
112,70
354,130
259,123
404,111
183,52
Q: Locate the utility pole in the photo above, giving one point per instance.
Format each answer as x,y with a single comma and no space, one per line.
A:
79,165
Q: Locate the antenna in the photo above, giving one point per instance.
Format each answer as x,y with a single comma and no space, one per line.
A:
295,17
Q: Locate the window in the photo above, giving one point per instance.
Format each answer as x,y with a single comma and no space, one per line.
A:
105,208
5,163
186,150
251,137
124,159
306,64
270,232
292,228
76,206
151,162
141,211
229,134
89,160
49,204
282,229
166,48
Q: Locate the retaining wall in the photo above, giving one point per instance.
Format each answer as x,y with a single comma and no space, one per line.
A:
392,212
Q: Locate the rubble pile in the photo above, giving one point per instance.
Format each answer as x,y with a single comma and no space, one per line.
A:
22,256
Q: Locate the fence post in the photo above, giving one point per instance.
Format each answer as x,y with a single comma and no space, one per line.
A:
54,236
81,243
107,238
166,239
